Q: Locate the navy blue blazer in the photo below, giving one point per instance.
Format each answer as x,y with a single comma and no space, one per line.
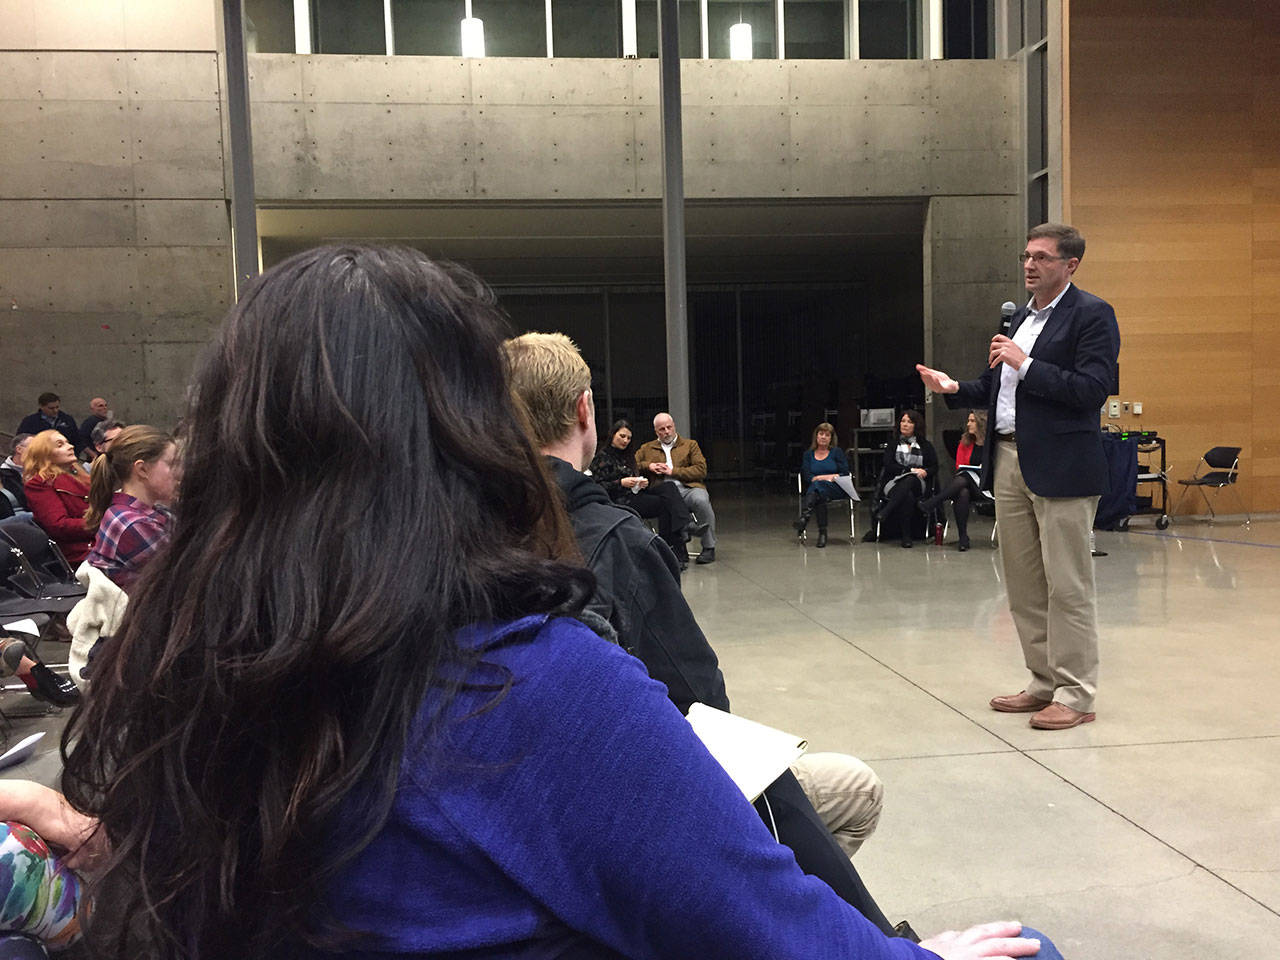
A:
1057,432
34,423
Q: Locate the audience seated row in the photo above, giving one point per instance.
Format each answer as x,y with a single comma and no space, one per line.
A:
49,415
307,744
614,467
906,484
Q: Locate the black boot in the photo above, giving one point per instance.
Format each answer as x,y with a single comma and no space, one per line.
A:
806,511
822,536
802,522
43,684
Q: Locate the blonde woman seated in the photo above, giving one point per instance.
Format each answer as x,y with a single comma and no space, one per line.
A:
57,489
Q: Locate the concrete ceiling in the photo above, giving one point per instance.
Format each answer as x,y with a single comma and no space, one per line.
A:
513,244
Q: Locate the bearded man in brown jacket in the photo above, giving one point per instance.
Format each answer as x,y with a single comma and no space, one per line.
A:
679,460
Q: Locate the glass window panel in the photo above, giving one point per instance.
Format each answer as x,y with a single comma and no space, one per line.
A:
638,351
428,28
348,26
1035,21
1014,10
587,28
1037,97
647,29
723,14
512,28
268,26
888,29
966,29
814,29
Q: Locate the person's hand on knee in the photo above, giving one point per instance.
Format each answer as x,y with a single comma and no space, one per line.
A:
983,942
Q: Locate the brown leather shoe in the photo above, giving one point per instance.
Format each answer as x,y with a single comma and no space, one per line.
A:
1019,703
1058,716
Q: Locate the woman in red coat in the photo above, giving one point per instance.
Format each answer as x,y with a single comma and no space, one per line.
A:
57,489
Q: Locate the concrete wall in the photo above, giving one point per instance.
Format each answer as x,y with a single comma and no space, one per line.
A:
501,129
114,236
970,269
114,256
443,129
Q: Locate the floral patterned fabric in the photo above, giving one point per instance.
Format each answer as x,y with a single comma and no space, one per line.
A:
38,895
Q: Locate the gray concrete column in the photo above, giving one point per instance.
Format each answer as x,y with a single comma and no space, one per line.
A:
673,216
244,211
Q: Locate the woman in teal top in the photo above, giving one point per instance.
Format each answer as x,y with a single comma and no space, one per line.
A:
821,464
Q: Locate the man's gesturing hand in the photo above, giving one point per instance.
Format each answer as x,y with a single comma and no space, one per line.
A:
936,380
1004,350
987,941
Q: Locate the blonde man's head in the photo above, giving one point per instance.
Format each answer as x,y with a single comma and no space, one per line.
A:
548,375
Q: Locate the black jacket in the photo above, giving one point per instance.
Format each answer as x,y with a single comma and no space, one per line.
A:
12,480
890,468
609,467
638,592
34,423
1059,442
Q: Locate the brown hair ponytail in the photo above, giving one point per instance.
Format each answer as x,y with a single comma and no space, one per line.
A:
113,468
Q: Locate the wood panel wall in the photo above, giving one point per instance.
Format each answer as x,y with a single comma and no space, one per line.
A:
1173,170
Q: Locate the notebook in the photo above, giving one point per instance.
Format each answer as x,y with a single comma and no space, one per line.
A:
752,754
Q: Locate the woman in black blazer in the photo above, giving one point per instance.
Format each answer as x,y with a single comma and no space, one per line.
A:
910,465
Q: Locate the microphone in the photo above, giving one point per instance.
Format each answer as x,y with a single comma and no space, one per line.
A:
1007,310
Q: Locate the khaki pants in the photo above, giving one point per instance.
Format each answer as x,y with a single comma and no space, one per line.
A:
1048,572
846,793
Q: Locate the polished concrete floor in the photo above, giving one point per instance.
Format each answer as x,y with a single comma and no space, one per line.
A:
1152,833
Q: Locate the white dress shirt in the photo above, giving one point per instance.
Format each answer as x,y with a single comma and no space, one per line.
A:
666,449
1025,337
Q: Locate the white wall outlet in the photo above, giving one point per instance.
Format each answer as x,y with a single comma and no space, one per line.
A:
1137,408
1113,408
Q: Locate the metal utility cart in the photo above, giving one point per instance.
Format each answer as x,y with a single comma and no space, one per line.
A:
1153,475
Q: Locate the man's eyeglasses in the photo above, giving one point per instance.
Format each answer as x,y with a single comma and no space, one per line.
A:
1039,257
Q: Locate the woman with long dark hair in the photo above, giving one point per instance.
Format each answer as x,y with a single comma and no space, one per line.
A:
347,711
910,465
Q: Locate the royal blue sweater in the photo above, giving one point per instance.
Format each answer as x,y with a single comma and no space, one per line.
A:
580,817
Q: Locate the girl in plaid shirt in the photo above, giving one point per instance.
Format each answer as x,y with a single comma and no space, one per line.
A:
129,487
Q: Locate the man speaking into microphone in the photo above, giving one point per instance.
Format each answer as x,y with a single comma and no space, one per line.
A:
1043,387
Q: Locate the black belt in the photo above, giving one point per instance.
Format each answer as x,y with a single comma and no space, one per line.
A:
1007,437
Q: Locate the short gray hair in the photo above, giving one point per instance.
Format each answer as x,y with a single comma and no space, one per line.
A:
99,433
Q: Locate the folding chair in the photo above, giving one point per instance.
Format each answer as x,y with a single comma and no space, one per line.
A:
43,572
985,506
853,507
1222,467
929,520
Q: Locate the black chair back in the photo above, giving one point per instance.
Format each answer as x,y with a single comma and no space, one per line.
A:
43,553
34,565
1222,458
